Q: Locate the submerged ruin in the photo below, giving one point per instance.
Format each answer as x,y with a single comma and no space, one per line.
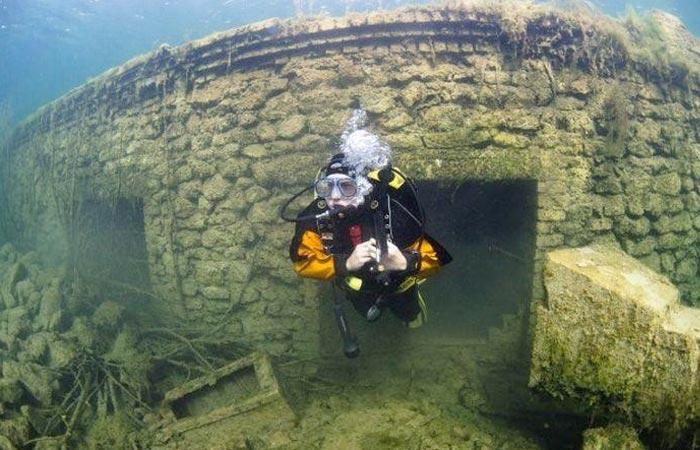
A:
156,187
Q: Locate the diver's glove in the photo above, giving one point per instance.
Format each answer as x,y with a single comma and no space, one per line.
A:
412,265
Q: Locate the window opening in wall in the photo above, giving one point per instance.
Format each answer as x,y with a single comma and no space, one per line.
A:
111,248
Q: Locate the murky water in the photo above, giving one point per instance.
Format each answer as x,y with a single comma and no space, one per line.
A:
102,347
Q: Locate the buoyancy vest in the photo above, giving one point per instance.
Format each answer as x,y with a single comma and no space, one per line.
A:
404,227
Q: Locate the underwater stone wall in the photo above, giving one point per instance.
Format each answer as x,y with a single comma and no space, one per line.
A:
215,135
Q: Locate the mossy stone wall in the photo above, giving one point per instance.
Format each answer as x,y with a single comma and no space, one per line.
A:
215,135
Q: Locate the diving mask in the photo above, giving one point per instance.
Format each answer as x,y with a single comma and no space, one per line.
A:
346,186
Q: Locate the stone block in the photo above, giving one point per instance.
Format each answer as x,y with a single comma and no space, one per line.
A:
195,221
550,240
608,185
190,190
255,194
280,147
292,127
445,117
601,224
266,132
215,188
414,93
214,238
215,293
255,151
398,121
551,215
687,269
692,202
611,332
670,241
678,223
611,437
285,169
635,207
210,272
234,203
633,227
614,206
668,183
655,204
668,262
235,404
652,261
639,248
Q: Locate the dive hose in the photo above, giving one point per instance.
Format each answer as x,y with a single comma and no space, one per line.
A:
351,348
337,213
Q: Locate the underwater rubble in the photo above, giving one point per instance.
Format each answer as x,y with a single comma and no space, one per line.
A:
52,354
62,373
226,408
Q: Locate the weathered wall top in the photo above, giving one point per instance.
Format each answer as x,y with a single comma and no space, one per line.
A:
596,44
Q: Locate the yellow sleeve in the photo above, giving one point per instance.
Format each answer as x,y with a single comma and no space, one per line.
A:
313,261
429,261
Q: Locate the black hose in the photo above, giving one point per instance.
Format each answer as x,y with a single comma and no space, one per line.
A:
421,211
284,207
336,213
351,348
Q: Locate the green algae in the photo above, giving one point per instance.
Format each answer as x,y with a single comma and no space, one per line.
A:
110,432
617,123
211,163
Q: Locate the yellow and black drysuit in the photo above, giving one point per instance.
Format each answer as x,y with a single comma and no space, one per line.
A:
321,247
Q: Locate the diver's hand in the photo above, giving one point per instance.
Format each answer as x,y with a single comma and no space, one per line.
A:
363,253
394,260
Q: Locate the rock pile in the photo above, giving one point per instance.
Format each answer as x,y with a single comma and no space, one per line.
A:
44,341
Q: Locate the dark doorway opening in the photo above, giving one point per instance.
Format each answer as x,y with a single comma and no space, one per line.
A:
489,228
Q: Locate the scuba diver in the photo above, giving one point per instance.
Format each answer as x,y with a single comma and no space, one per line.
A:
365,231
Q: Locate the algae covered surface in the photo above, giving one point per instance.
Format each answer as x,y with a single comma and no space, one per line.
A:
141,247
94,380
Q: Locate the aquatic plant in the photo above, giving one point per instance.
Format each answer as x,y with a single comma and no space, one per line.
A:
616,120
98,386
653,48
5,130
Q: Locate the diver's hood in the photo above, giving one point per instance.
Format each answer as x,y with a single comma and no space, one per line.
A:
338,165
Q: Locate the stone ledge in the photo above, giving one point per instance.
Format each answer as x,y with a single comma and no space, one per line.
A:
612,333
543,34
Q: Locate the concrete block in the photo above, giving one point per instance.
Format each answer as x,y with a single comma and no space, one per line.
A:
611,332
239,401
